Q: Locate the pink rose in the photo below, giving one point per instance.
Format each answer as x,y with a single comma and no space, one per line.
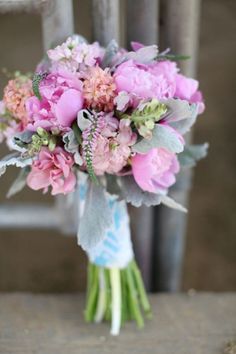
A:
187,89
143,80
61,100
52,169
155,171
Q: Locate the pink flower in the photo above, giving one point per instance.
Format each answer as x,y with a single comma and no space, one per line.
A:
111,149
61,100
187,89
52,169
143,80
73,55
155,171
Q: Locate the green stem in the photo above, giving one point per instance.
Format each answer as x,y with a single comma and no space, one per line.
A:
92,296
101,304
116,301
134,303
141,289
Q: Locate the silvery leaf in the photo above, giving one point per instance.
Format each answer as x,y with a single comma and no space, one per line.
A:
14,159
171,203
83,119
112,185
192,153
162,137
143,55
181,115
177,110
122,100
19,182
72,146
133,194
96,219
111,50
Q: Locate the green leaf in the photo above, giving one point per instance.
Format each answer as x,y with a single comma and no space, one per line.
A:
145,116
162,137
37,78
133,194
192,154
19,182
174,57
96,219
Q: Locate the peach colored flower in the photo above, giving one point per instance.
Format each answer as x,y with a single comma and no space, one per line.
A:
99,89
16,93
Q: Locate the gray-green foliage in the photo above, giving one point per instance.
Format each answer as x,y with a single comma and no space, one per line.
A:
19,183
96,218
133,194
192,154
162,137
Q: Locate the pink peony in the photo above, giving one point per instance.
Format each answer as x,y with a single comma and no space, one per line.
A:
61,100
187,89
146,81
52,169
155,171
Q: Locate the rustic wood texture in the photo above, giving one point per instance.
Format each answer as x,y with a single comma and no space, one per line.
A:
142,26
106,20
53,324
24,5
179,31
57,22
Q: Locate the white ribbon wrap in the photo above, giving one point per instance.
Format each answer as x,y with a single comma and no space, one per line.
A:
115,249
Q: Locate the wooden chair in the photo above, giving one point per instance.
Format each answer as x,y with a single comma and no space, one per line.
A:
159,233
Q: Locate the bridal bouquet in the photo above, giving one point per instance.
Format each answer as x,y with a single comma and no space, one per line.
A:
106,126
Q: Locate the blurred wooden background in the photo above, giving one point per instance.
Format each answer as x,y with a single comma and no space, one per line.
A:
48,262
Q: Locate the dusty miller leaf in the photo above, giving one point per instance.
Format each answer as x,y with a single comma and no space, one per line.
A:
171,203
181,115
110,52
19,183
72,146
96,219
14,159
133,194
162,137
192,154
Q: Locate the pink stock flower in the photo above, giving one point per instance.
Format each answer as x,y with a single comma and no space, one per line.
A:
143,80
61,99
52,169
155,171
72,55
112,147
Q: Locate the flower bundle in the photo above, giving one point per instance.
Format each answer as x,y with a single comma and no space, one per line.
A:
110,124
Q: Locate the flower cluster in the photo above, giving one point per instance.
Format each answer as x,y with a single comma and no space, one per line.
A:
101,111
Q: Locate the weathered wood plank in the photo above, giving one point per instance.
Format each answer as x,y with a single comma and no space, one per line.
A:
54,324
180,27
57,22
142,26
142,21
7,6
106,20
